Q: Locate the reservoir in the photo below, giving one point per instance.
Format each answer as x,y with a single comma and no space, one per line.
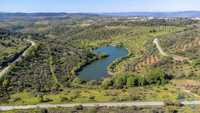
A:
98,69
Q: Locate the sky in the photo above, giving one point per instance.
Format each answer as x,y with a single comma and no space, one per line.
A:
98,6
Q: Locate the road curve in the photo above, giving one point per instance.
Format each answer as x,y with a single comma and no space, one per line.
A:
6,69
175,57
109,104
156,42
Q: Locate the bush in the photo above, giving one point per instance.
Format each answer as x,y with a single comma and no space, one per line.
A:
43,111
91,97
77,80
46,100
79,107
64,99
173,103
102,55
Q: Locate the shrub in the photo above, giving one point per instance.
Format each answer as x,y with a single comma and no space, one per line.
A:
44,111
173,103
77,80
91,97
79,107
64,99
46,100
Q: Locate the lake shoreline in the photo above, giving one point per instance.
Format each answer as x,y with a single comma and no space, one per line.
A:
88,69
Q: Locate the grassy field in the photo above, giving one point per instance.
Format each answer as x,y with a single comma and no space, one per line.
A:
85,95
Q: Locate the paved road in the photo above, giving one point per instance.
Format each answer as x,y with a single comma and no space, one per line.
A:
6,69
110,104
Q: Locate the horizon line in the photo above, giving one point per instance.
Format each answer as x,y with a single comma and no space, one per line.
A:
101,12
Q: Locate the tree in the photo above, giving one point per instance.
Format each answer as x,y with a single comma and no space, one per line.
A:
155,76
120,81
141,80
130,81
107,82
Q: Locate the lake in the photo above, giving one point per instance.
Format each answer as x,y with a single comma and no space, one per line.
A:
98,69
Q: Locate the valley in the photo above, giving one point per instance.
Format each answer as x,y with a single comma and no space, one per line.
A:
79,58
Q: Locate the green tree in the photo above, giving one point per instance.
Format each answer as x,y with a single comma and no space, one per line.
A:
107,82
120,81
155,76
141,80
130,81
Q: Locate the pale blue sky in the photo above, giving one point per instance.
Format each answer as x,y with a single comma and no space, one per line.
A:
97,5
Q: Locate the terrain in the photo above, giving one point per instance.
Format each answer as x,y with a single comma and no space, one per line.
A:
157,14
162,62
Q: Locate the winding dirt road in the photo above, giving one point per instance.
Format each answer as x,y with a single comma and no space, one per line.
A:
7,69
156,42
175,57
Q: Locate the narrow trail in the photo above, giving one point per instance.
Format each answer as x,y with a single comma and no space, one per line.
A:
7,69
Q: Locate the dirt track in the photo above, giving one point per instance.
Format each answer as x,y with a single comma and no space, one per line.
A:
110,104
6,69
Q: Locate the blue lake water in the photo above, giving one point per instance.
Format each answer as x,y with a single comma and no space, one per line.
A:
98,69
